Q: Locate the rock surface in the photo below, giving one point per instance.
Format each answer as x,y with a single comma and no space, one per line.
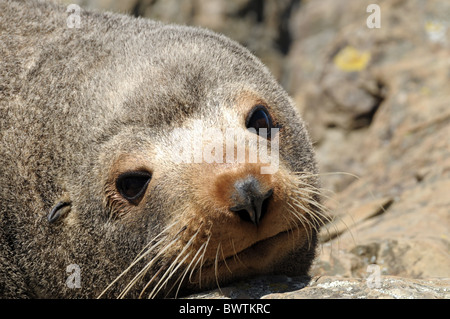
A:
389,287
377,103
281,287
396,213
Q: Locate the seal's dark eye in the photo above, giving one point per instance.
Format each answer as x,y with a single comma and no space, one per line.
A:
258,118
132,185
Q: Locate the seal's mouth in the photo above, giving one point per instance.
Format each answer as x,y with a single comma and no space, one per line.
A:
262,246
258,258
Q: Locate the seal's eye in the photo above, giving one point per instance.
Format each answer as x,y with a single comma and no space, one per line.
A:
258,118
132,185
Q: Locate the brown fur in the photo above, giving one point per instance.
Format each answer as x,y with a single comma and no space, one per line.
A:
79,107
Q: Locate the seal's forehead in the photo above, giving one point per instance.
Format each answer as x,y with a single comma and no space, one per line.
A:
183,51
193,73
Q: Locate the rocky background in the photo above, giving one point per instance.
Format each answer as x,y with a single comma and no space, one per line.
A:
377,102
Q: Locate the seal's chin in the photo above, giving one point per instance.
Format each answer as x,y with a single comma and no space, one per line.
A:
262,257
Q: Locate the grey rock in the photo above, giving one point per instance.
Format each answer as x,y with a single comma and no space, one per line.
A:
389,287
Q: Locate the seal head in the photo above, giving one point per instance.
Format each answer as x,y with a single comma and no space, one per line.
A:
158,159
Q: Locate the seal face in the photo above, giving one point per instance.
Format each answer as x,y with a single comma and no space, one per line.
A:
159,159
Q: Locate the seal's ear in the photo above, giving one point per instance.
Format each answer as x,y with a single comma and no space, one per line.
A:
59,210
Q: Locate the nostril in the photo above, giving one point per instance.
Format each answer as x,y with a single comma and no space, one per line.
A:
265,203
243,214
254,208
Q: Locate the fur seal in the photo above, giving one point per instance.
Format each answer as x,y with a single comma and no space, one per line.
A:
94,204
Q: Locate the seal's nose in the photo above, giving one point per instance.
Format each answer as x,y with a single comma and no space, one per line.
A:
250,200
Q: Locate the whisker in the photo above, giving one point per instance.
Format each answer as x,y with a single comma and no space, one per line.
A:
289,222
139,257
314,216
317,220
151,241
310,188
202,260
202,251
160,270
216,264
324,219
331,227
235,256
321,208
224,261
169,272
187,269
172,272
319,214
300,176
309,174
146,268
302,220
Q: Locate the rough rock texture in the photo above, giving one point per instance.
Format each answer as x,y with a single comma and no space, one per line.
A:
389,287
396,213
378,106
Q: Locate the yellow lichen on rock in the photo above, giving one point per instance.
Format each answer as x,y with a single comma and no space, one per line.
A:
350,59
434,26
